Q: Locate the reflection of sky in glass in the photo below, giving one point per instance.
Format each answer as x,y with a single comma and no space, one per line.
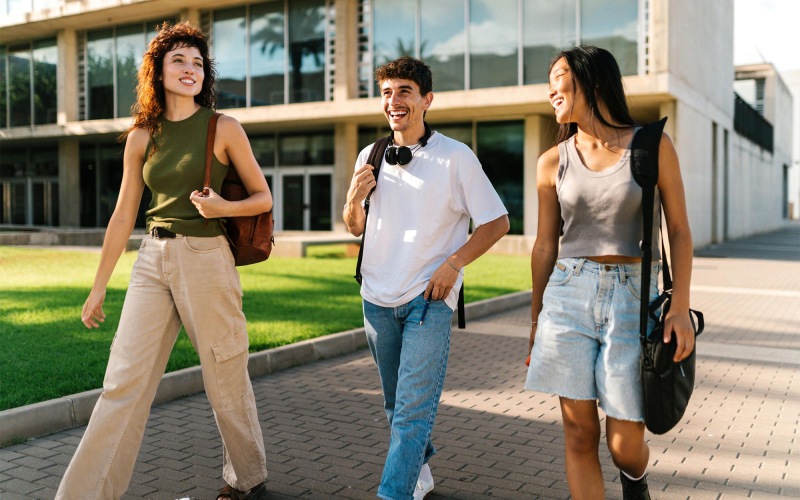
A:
101,50
46,52
605,18
266,39
493,27
130,45
229,38
549,23
394,29
443,31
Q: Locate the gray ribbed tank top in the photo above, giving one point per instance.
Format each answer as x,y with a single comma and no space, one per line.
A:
602,211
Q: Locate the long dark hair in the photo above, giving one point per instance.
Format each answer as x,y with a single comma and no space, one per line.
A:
597,74
149,105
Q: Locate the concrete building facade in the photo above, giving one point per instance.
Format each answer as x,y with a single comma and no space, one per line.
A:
298,75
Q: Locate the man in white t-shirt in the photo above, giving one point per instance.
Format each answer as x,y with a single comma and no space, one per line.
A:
415,249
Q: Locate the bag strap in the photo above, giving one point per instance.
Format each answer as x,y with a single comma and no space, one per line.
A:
212,132
644,164
375,159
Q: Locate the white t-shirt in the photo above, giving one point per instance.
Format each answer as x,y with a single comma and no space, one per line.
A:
419,214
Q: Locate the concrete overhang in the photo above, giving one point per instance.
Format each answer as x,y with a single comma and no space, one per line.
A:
646,94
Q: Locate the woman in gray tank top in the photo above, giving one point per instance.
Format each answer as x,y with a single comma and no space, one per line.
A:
586,270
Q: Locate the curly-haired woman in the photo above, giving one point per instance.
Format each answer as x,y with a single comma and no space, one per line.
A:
184,275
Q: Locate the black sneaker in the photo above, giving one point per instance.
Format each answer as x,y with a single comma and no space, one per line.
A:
634,490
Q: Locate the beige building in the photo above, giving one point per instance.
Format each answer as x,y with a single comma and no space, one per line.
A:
297,75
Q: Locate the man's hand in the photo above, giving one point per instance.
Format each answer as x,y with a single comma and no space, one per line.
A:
361,184
442,281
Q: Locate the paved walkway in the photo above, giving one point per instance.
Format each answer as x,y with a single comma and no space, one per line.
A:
326,434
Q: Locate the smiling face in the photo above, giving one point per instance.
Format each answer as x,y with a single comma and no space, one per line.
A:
565,97
404,107
183,72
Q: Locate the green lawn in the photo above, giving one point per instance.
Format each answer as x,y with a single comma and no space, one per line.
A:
46,352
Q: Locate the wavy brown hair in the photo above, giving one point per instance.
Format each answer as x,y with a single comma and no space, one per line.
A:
149,106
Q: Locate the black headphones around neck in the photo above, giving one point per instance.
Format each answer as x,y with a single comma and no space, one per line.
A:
403,154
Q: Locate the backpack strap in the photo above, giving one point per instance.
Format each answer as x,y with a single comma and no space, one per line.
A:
375,159
644,165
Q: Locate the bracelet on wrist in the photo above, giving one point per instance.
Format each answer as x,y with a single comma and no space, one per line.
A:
454,267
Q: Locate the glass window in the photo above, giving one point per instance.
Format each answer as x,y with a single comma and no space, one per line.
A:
229,38
100,64
44,162
307,50
500,151
393,29
45,63
306,149
459,132
267,54
3,87
613,25
19,92
293,203
548,28
130,47
443,42
13,163
264,150
493,43
320,190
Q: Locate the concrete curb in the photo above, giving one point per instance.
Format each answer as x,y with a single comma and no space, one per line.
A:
47,417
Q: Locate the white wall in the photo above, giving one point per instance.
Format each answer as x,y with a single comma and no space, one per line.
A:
755,183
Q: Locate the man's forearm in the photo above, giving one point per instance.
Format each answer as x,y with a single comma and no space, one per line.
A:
481,241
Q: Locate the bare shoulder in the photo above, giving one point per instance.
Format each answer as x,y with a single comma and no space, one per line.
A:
229,125
547,166
137,140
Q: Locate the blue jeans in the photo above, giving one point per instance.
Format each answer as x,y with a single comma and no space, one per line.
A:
412,361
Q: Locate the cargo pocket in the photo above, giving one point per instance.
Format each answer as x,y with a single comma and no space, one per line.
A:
230,357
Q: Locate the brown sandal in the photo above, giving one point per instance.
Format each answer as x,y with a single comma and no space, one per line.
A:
257,492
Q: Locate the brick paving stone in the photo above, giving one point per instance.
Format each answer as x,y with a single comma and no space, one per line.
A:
326,434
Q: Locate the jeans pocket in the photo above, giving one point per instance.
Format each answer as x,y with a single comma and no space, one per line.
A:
561,275
230,368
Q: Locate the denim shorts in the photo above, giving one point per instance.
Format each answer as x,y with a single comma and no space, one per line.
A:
587,339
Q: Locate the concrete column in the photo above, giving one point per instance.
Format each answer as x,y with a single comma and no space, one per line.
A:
67,77
345,79
538,139
346,141
191,15
69,182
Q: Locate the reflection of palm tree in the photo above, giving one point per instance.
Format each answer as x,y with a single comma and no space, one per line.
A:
306,38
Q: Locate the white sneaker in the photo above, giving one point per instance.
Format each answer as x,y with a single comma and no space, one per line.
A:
424,485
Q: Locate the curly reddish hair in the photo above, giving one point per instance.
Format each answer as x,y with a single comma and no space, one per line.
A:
149,106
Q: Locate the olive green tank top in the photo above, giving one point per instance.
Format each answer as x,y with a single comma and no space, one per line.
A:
175,169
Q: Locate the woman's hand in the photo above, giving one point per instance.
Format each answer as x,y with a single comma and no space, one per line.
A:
93,314
210,206
679,323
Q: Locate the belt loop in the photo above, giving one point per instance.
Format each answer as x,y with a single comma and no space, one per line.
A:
622,276
579,266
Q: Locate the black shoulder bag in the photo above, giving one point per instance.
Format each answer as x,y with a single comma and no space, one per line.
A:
667,386
375,159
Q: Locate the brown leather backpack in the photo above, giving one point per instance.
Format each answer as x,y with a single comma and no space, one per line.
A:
250,237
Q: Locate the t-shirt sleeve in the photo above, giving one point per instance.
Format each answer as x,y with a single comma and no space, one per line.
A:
476,194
